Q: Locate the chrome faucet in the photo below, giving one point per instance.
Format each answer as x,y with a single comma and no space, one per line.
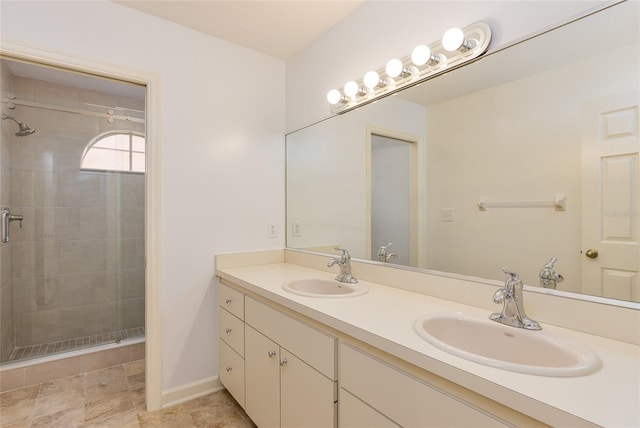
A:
548,277
513,309
345,266
383,256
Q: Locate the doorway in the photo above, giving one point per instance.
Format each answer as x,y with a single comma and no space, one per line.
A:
393,201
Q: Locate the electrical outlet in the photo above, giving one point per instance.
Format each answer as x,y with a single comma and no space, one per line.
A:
272,230
296,229
448,214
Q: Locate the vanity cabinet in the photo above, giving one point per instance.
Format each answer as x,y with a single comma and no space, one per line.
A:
231,342
290,371
285,370
371,389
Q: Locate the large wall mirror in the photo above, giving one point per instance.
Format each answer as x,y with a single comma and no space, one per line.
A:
529,153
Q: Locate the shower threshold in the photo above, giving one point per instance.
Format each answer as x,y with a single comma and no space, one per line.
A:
44,349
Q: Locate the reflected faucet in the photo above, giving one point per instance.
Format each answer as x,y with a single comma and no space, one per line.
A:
345,266
548,277
383,256
513,310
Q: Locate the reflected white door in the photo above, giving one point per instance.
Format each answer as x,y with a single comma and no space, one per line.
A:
610,197
391,198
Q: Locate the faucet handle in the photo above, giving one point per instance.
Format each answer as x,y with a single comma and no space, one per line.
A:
343,252
513,275
513,280
550,263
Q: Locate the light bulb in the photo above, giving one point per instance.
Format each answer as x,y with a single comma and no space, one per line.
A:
334,96
371,79
453,40
421,55
394,68
351,89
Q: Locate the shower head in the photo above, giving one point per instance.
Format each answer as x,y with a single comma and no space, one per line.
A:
24,128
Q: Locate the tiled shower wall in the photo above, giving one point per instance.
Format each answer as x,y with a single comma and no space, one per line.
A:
78,260
7,339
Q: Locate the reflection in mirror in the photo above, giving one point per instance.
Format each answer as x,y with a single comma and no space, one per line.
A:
553,115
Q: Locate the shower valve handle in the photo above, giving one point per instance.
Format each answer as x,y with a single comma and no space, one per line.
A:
7,218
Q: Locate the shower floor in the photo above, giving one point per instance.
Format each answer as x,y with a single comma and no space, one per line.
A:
44,349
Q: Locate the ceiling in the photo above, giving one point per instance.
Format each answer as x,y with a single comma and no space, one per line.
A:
276,28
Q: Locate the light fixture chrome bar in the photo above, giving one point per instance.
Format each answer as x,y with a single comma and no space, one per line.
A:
475,42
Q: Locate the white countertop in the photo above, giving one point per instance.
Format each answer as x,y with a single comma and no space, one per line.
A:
384,318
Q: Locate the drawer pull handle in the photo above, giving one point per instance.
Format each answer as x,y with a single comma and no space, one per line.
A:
283,362
228,301
228,331
228,369
272,354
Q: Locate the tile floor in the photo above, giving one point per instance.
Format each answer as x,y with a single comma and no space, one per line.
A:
112,397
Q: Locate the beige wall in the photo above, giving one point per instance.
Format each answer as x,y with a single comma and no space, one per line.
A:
78,260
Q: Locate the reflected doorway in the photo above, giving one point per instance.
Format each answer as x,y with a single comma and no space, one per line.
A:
393,201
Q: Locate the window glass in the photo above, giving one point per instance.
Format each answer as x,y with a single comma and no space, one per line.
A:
116,151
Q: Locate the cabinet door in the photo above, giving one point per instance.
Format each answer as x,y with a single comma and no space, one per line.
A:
354,413
308,398
262,376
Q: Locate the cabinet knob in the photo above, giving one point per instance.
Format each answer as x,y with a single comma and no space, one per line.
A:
228,369
283,362
271,354
228,330
228,301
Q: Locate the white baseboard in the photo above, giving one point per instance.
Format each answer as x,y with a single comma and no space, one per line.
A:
190,391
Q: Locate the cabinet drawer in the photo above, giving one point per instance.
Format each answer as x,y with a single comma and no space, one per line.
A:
231,369
315,347
232,300
231,330
405,399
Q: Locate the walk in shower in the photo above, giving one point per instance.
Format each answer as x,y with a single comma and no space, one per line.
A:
72,197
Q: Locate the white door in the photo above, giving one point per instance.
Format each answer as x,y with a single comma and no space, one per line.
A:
391,198
610,197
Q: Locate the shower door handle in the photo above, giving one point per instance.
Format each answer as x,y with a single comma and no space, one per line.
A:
7,218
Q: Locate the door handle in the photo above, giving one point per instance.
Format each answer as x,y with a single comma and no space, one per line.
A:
592,254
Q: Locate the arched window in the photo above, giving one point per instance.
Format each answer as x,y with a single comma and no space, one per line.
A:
115,151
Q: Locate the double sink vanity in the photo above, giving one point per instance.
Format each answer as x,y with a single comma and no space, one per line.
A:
299,348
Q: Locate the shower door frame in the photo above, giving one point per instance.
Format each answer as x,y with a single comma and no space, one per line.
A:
153,337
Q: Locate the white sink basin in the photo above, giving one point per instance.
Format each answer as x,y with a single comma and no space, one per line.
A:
320,287
487,342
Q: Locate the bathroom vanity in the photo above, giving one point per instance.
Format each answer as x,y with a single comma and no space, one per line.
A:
292,360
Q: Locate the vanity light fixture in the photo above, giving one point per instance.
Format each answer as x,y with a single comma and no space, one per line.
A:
372,80
454,40
395,68
335,97
352,89
456,47
422,55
